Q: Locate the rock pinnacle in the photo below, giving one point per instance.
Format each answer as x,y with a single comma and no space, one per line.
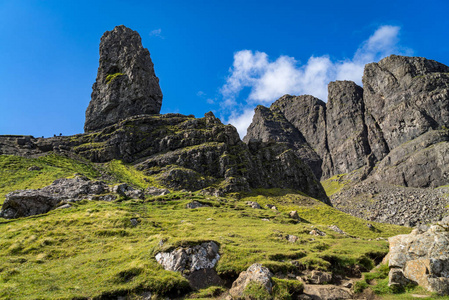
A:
126,84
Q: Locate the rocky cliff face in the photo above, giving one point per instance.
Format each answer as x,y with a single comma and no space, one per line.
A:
126,84
402,99
183,152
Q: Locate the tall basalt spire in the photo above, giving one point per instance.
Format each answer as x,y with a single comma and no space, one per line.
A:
126,84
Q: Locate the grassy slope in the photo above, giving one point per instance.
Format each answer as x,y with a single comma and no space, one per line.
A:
91,249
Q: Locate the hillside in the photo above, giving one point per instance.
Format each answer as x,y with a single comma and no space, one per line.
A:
93,249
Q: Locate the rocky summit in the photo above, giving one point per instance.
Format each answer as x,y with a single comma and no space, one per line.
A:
126,84
168,206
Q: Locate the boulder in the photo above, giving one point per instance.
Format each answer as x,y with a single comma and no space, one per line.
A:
126,84
255,273
23,203
320,277
327,292
421,257
203,256
196,263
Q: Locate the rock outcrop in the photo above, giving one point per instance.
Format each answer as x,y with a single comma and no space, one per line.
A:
421,257
256,273
203,256
183,152
196,263
126,84
403,98
25,203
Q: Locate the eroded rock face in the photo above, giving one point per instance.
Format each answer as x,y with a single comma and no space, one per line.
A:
406,97
347,135
25,203
269,125
421,257
126,84
403,98
255,273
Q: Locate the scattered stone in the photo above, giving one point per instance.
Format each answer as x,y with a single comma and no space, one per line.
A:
34,168
195,204
319,277
265,220
370,226
271,206
292,238
255,273
253,204
134,222
327,292
337,229
317,232
128,191
154,191
294,215
64,206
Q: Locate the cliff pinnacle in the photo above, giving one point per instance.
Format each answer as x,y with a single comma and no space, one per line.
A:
126,84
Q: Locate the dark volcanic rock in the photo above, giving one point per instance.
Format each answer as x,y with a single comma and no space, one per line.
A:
272,126
182,152
406,97
422,162
347,134
126,84
308,114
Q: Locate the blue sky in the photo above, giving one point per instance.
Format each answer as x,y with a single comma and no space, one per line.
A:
220,56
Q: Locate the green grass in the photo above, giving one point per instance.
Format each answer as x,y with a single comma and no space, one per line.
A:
92,250
334,184
14,174
111,77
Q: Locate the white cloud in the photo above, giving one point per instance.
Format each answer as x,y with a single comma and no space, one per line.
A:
241,121
268,80
157,33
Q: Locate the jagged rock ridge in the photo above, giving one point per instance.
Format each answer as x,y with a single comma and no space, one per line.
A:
402,98
126,84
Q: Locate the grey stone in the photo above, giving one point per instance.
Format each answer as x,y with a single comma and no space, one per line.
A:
154,191
195,204
255,273
126,84
319,277
253,204
422,258
203,256
23,203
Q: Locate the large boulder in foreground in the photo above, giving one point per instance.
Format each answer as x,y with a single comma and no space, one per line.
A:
126,84
257,274
421,257
196,263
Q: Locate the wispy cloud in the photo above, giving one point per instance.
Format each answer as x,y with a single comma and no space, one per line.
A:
157,33
268,80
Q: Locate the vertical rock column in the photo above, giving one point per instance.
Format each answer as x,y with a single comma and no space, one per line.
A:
126,84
